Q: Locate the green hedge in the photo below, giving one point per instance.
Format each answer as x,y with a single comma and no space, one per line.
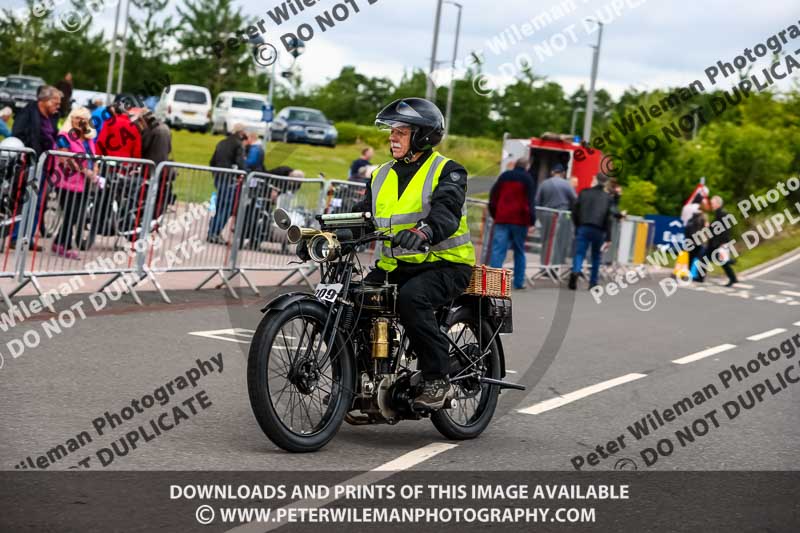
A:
479,155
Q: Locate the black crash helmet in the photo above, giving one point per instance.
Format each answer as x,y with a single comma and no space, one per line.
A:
422,115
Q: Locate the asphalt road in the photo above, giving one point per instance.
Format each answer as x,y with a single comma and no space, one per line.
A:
54,391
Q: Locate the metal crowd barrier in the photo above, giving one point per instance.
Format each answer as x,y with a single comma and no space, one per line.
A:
137,221
186,231
480,228
17,169
74,225
259,243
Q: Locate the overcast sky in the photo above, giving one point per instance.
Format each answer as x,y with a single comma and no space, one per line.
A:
646,44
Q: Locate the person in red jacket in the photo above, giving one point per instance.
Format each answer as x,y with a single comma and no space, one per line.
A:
513,207
119,137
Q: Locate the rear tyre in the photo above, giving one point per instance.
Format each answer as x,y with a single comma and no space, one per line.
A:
475,402
298,400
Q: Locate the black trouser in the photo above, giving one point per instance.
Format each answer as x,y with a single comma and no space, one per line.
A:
421,293
729,272
72,208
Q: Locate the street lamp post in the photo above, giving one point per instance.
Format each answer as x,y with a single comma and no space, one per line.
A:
123,48
587,124
430,89
452,70
574,121
112,55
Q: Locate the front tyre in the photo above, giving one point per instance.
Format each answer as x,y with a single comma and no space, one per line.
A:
298,399
475,402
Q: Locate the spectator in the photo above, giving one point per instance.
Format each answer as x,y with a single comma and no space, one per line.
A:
37,123
361,162
65,86
156,136
156,146
99,115
694,225
688,210
591,214
513,208
229,153
36,127
119,136
255,153
5,116
555,193
76,136
721,241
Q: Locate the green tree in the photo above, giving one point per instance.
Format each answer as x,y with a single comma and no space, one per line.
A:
203,23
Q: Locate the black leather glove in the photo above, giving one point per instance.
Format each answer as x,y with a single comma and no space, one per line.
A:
414,238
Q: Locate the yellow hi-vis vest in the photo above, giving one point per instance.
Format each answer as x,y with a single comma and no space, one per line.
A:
396,214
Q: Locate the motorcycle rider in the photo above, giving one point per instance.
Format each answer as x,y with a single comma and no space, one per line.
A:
419,196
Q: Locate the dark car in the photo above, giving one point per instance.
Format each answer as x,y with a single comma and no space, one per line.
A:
304,125
17,91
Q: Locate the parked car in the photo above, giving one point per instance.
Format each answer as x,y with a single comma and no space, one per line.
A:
18,91
304,125
185,106
83,98
232,107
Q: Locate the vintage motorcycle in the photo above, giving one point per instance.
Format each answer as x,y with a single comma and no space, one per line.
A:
340,354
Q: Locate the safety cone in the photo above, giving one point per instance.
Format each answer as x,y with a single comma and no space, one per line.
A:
681,270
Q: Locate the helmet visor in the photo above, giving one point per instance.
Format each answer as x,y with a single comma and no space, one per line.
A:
387,124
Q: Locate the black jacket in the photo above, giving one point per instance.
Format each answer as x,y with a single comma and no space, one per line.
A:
28,128
593,208
724,236
229,153
447,199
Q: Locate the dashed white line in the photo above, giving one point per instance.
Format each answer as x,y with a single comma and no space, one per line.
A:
703,354
552,403
770,333
772,281
406,461
790,293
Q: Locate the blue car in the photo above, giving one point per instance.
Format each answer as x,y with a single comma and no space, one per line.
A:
303,125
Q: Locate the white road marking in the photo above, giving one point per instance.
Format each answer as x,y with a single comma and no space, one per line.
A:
553,403
411,459
218,334
790,293
766,334
770,268
703,354
385,470
511,371
743,286
777,282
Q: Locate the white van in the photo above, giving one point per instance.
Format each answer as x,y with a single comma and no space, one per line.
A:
185,106
231,107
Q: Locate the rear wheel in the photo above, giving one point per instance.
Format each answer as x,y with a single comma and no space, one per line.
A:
475,402
298,399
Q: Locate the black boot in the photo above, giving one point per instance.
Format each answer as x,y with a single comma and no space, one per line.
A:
433,395
573,281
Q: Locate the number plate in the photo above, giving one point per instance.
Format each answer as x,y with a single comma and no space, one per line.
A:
327,292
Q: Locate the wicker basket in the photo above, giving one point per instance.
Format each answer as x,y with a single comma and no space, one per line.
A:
488,281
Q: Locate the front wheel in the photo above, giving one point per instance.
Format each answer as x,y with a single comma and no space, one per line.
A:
298,399
475,402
